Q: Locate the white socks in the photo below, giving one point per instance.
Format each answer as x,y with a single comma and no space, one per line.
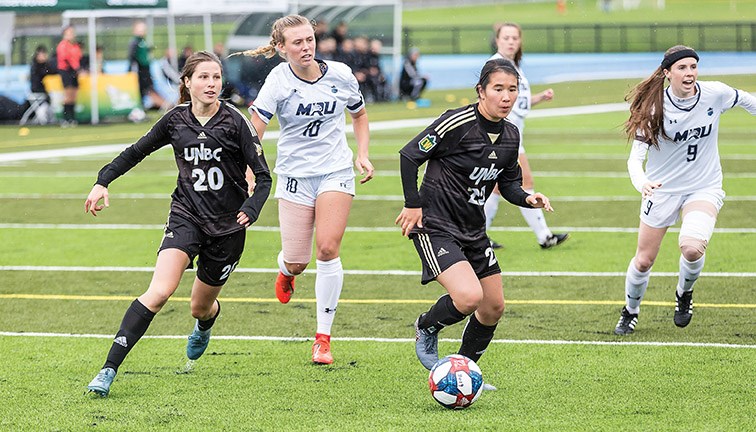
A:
689,272
636,283
490,208
282,265
536,221
328,283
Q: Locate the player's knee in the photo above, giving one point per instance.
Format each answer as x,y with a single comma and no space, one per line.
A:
692,249
491,312
296,268
201,311
695,232
328,250
643,263
469,302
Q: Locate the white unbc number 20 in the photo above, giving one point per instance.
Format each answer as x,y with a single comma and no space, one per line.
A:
213,179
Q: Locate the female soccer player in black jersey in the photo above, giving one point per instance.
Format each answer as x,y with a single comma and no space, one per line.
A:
213,144
469,150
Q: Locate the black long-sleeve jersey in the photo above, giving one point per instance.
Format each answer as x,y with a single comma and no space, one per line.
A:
467,155
211,187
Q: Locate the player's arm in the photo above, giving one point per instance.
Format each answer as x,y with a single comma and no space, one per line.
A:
355,104
362,135
745,100
419,150
156,137
258,167
510,187
543,96
641,183
412,213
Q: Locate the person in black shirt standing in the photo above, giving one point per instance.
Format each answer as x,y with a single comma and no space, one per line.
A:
213,143
468,151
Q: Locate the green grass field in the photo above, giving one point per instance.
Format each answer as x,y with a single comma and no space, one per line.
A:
66,278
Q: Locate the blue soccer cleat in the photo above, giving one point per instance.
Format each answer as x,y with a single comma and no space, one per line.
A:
426,346
197,343
101,383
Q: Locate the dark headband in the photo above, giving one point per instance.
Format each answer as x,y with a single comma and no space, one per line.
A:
671,59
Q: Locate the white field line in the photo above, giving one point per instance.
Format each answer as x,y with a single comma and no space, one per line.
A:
394,340
392,198
273,134
384,229
89,269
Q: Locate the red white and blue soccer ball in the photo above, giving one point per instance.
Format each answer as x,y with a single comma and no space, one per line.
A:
455,381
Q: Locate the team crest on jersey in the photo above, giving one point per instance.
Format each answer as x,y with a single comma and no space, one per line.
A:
710,111
427,143
258,149
334,89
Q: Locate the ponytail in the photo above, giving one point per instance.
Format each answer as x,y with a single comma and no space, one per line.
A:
646,122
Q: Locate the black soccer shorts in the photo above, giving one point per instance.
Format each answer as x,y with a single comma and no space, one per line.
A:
69,77
439,251
217,255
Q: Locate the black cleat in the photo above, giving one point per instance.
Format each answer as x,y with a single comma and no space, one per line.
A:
494,245
554,240
626,323
683,308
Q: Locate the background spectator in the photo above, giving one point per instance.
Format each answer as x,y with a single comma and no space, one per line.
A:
139,59
69,63
40,68
186,52
339,33
412,83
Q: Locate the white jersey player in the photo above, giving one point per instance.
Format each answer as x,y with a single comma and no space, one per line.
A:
683,176
509,47
314,164
311,114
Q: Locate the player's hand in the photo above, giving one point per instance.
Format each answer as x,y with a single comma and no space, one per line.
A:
539,200
365,168
409,218
648,188
242,219
97,193
548,94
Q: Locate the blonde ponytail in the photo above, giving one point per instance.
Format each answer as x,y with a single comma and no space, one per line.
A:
276,36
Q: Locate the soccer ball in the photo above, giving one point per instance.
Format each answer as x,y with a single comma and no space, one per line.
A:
455,381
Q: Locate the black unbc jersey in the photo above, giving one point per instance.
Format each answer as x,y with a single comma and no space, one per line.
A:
212,159
463,167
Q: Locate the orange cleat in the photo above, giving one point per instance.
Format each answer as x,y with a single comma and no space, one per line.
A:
284,287
321,349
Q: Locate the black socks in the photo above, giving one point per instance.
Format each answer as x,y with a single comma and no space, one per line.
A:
134,324
440,315
475,338
208,324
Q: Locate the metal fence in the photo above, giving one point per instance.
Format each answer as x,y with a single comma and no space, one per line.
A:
588,38
575,38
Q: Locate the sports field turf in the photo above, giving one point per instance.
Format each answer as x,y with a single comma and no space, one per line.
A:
66,278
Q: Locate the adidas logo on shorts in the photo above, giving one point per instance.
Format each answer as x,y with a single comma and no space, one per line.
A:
442,252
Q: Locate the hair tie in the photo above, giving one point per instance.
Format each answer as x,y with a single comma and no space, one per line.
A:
674,57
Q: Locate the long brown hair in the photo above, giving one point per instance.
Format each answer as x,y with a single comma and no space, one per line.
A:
647,106
276,35
518,55
190,66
